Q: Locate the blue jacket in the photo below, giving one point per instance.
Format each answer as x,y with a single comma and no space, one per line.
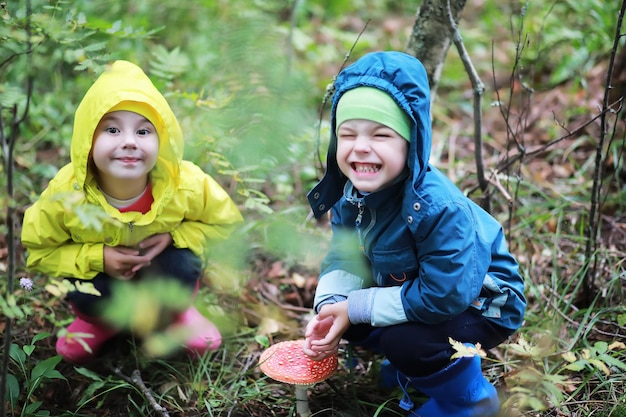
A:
418,250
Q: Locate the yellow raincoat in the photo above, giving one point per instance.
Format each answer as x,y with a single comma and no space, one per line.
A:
188,203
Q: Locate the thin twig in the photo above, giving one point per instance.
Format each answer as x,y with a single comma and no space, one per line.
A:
330,90
495,180
575,323
8,147
284,306
527,155
136,381
478,89
591,261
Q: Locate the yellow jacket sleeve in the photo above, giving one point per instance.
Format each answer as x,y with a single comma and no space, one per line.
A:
50,247
211,214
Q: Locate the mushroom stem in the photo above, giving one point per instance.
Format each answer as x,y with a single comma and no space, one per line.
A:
287,363
302,401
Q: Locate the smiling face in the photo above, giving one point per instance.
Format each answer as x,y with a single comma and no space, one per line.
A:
370,154
124,151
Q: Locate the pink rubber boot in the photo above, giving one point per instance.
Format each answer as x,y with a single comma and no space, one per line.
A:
205,336
81,334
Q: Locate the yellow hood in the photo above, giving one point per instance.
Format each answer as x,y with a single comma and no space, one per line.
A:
126,82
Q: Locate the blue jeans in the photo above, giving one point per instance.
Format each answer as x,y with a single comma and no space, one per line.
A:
181,265
418,349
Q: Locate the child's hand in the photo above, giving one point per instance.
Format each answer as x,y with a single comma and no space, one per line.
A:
119,261
151,247
317,329
324,332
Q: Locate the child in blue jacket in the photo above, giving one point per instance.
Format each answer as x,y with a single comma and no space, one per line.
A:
413,261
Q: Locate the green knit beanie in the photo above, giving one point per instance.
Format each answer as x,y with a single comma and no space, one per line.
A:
373,104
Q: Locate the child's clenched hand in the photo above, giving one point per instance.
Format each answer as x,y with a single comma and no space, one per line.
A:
123,262
119,261
151,247
324,331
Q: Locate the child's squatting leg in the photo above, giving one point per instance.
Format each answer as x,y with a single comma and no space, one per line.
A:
90,329
418,355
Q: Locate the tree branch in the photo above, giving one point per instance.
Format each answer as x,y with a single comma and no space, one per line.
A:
136,381
430,39
478,88
8,146
594,219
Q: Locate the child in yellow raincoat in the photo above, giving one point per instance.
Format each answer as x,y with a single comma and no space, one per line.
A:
126,157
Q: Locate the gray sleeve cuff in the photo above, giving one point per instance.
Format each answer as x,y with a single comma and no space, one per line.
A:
330,300
360,303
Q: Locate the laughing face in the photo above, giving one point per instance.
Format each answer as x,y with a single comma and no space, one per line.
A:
125,149
370,154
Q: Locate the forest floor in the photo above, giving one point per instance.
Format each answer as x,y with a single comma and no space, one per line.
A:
274,282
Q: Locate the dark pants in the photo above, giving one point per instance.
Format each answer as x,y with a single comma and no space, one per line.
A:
181,265
418,350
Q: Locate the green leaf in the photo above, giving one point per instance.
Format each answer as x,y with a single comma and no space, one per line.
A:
262,340
28,349
10,308
601,347
39,336
536,404
95,46
13,388
609,360
576,366
45,369
31,409
17,354
89,374
90,392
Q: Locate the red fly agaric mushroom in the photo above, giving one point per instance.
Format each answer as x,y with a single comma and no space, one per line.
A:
286,362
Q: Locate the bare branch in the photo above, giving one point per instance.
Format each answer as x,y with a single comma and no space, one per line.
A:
594,218
330,90
136,381
8,146
478,89
495,180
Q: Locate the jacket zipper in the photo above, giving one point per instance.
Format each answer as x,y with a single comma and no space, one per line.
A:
357,223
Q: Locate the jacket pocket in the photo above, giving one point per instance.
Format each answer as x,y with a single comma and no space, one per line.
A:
394,267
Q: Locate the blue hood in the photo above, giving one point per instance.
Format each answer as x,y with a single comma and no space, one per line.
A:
404,78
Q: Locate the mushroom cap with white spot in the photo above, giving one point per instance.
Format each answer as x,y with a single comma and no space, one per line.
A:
286,362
